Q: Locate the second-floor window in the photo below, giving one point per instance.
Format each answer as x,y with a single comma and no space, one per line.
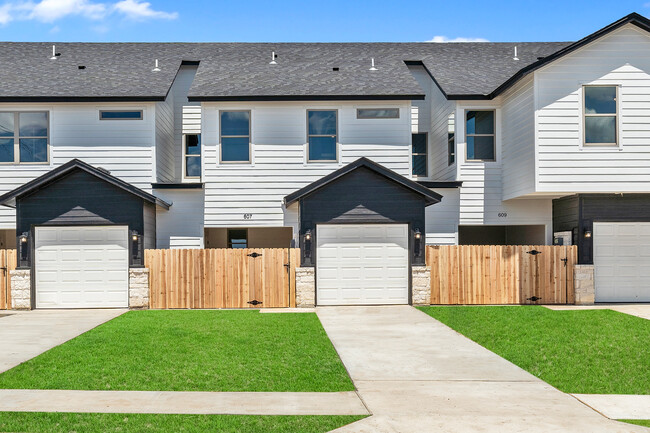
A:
192,149
480,135
322,135
600,111
24,137
235,136
419,153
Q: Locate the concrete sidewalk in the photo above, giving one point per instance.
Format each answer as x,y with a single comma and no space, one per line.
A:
26,334
618,406
638,310
417,375
178,402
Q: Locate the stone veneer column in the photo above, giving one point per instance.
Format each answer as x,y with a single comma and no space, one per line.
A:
421,285
21,289
585,290
305,287
138,288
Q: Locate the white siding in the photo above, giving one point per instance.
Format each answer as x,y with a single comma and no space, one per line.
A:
620,58
442,218
182,225
124,147
166,171
432,117
519,140
279,167
182,110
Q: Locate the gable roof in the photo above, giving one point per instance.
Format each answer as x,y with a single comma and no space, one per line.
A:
9,199
429,196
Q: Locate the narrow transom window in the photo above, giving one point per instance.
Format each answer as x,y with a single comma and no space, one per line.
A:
237,238
480,136
235,128
378,113
24,137
322,135
451,139
600,111
192,149
419,154
120,115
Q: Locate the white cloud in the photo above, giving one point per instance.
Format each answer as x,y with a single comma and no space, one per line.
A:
49,11
138,10
446,39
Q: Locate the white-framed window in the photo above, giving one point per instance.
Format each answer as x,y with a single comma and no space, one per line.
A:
377,113
235,136
451,139
322,135
480,134
600,112
192,156
121,115
24,137
419,154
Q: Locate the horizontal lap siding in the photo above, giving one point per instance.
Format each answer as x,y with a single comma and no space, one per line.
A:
183,221
442,218
125,148
621,59
279,158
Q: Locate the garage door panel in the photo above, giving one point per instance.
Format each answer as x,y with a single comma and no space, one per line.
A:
622,262
81,267
362,264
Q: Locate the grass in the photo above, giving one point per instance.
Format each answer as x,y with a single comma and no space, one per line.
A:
641,422
586,352
180,350
42,422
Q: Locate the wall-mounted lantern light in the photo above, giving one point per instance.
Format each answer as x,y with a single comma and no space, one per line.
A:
587,234
307,244
418,235
308,235
23,250
137,249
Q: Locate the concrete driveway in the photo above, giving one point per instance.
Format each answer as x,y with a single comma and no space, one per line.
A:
417,375
25,334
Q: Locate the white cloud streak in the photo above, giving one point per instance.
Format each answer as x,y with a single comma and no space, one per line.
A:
49,11
440,39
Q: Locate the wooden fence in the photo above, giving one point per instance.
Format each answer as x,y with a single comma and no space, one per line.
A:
222,278
7,264
495,274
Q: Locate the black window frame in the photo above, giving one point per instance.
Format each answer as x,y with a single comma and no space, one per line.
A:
186,155
221,137
336,136
493,135
426,155
102,112
17,137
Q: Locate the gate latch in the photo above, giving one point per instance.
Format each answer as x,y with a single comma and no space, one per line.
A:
565,260
534,299
534,252
254,302
254,255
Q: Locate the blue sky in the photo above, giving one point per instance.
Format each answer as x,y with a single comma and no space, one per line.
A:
333,20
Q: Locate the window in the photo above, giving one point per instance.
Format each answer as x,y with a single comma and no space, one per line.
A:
237,238
451,139
322,132
378,113
480,136
24,137
120,115
600,110
235,136
192,149
419,154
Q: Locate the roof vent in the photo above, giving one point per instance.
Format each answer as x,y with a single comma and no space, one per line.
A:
541,58
55,55
515,57
81,67
156,68
335,69
273,57
372,64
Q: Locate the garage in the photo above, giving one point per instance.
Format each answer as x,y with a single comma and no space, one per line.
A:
362,264
622,261
81,267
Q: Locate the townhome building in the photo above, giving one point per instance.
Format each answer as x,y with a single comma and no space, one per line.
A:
360,154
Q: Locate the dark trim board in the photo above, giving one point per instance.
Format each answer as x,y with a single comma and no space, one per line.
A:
579,212
189,185
440,184
307,98
82,98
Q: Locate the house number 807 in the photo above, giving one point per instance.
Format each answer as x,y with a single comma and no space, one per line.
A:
248,216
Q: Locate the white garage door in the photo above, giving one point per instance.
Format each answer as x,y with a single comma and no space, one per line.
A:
622,262
82,267
362,264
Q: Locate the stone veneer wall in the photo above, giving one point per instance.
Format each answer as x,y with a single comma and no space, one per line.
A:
21,289
305,287
421,285
585,289
138,288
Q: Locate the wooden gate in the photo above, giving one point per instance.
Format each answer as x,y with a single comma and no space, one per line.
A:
7,264
222,278
501,274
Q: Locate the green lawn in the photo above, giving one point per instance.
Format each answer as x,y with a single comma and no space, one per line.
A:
181,350
587,352
41,422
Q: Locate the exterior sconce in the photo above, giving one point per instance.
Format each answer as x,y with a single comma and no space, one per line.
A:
23,238
137,249
23,250
418,235
307,243
308,235
587,234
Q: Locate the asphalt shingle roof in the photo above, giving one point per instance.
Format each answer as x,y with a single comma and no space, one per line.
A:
242,70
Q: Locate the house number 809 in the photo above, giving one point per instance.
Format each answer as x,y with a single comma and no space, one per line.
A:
248,216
